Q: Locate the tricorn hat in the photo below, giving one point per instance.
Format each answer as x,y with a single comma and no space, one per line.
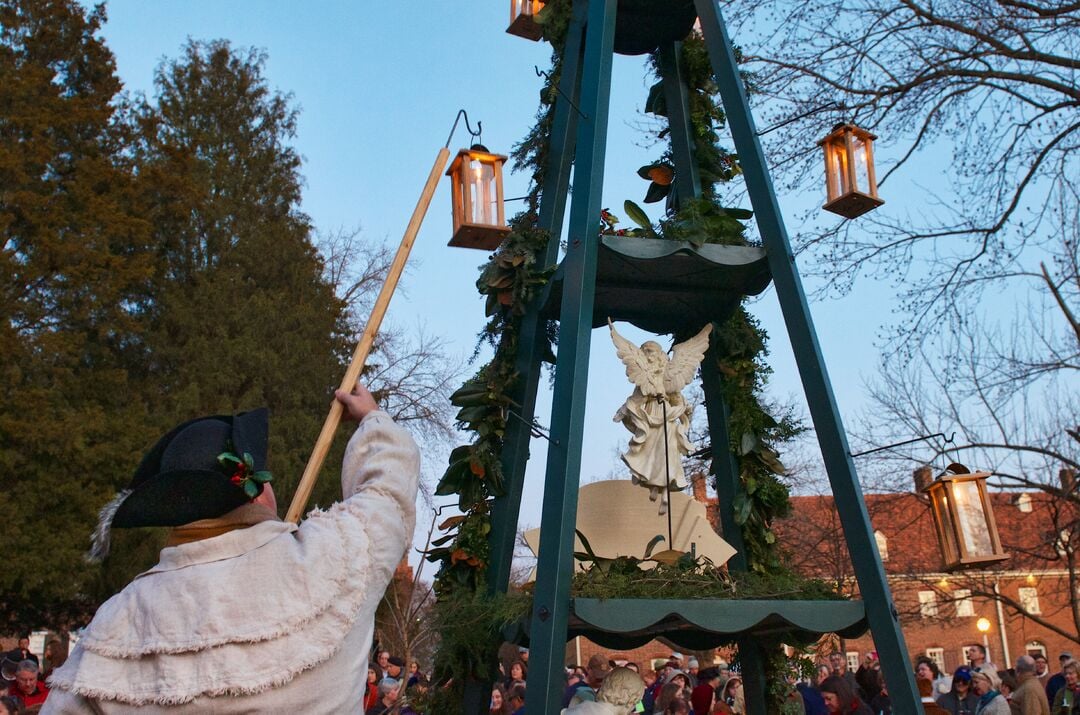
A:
200,470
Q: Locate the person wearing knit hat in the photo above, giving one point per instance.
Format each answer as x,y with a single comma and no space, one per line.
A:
702,699
245,612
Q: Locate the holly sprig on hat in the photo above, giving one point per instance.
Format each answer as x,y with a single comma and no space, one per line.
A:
244,474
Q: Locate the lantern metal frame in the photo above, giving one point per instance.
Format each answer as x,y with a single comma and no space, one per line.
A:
846,196
949,526
468,233
523,19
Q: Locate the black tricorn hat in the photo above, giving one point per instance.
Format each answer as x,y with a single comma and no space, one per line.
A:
181,479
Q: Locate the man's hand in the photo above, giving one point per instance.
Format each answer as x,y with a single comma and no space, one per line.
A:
357,403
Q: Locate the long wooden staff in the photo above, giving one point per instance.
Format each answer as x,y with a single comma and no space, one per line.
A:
326,436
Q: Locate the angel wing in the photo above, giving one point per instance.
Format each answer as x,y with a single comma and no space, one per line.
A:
638,369
685,358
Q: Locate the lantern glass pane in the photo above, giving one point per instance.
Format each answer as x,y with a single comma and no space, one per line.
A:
862,165
480,178
526,7
838,166
943,523
972,526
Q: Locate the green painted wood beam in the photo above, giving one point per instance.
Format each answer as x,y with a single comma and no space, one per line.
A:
858,532
533,341
555,564
677,98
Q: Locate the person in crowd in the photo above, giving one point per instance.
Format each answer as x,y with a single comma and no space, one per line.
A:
669,694
926,695
1067,698
500,703
872,688
371,687
692,668
926,668
730,697
961,699
1009,684
22,651
703,697
1057,680
840,697
55,655
839,668
245,612
395,668
976,654
1042,669
389,691
27,687
1029,697
986,685
383,659
619,694
813,703
575,680
518,673
10,706
516,695
414,674
824,670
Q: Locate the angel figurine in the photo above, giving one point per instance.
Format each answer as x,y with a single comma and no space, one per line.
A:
656,414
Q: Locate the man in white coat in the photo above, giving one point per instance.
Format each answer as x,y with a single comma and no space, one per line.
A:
244,612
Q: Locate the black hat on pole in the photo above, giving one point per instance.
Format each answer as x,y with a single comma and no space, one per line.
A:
201,469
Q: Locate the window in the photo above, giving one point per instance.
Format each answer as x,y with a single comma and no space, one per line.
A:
1034,648
1023,503
964,607
1029,600
928,604
938,656
852,660
882,545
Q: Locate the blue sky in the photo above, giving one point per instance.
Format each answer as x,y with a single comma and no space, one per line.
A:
378,85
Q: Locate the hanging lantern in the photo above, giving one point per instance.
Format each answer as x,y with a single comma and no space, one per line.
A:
476,187
849,171
523,19
964,518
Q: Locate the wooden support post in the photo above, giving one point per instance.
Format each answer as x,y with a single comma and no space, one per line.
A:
869,572
352,374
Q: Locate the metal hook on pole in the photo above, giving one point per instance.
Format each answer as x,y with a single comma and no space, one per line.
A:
547,76
947,440
468,127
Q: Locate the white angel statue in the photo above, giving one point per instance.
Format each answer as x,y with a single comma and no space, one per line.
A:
656,413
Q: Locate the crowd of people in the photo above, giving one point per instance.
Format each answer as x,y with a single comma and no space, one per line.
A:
25,678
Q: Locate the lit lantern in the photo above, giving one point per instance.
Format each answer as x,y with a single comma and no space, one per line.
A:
849,171
476,187
964,518
523,19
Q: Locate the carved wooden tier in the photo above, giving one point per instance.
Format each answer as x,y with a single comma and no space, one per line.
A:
668,287
702,624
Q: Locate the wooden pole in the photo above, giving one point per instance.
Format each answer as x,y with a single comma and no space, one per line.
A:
326,436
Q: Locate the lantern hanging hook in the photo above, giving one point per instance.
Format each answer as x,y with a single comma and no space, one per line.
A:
948,440
831,105
547,76
468,127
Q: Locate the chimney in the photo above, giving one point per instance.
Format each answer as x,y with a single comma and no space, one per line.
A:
923,477
1067,477
697,483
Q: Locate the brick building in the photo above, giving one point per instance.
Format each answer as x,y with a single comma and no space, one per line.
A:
1029,600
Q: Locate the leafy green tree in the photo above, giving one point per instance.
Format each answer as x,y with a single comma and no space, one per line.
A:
242,314
73,265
